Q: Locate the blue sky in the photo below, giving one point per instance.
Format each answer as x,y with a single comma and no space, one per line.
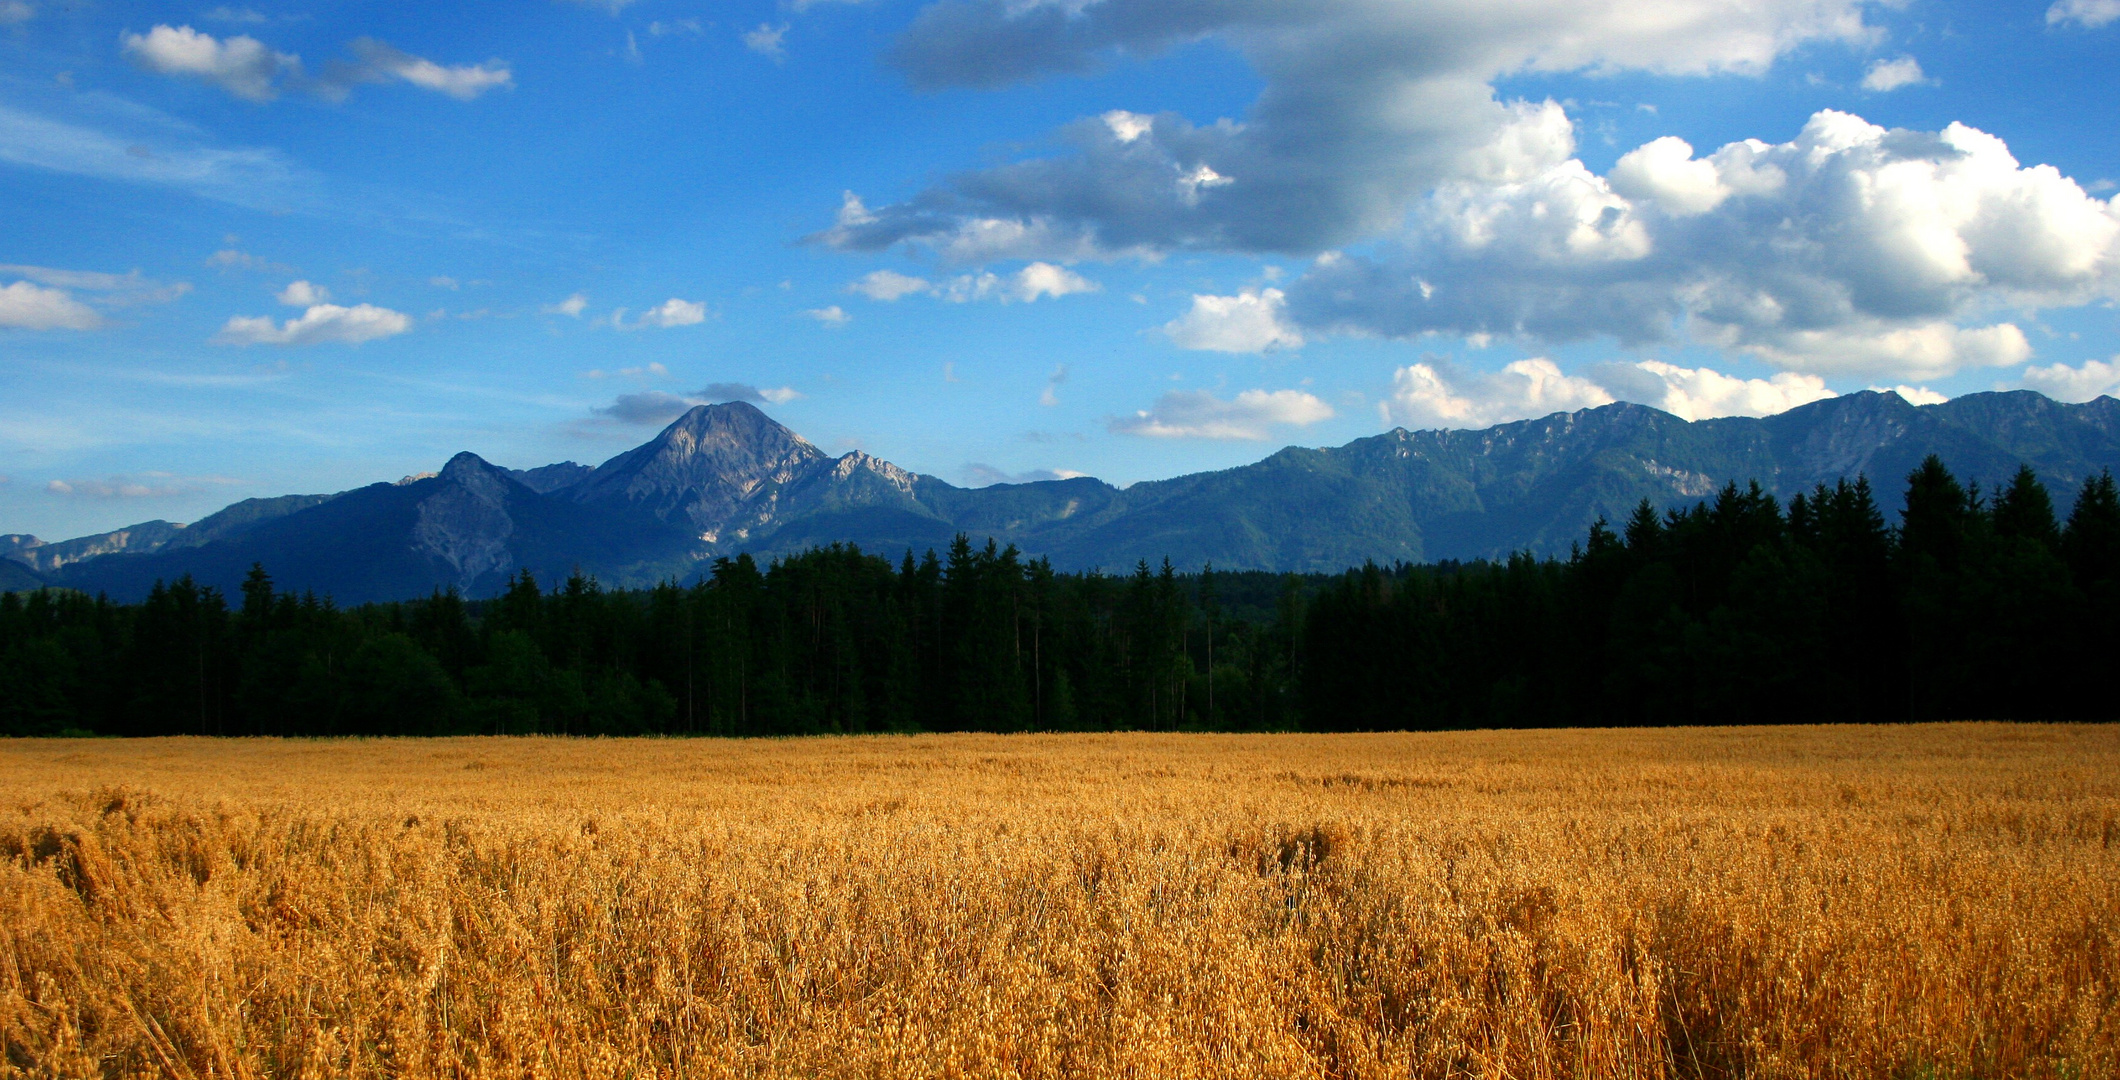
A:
252,250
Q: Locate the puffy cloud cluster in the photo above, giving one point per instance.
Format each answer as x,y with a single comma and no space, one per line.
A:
302,294
2089,14
26,306
1248,322
1850,249
1885,76
2093,379
241,65
254,71
669,314
320,324
1038,279
1367,104
1198,414
1437,394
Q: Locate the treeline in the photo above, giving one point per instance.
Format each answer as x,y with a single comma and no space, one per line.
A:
1741,609
833,640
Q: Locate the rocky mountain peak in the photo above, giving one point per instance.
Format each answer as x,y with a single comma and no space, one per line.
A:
708,466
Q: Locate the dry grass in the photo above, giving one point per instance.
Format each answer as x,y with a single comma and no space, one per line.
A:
1862,902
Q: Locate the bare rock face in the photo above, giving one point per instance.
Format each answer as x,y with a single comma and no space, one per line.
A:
717,465
465,522
133,539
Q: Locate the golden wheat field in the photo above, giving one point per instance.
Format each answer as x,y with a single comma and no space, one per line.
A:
1935,901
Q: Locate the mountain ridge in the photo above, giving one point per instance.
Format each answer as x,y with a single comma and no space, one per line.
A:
727,479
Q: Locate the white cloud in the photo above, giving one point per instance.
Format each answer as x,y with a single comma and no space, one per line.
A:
666,315
1366,105
381,62
833,316
1024,286
889,285
1915,395
1885,76
1438,394
766,41
1050,396
24,306
321,324
1198,414
571,307
1702,394
444,281
241,65
2093,379
126,288
2090,14
253,71
302,294
1435,394
1850,249
1248,322
16,11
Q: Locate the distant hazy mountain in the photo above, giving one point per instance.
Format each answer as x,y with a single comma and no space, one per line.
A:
724,479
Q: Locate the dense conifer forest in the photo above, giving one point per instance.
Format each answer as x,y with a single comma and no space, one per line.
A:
1741,609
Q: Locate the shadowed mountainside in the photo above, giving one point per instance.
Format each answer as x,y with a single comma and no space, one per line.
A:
725,479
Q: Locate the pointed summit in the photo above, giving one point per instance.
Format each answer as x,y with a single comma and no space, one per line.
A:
711,465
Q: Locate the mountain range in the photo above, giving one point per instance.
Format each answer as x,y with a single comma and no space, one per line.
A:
724,479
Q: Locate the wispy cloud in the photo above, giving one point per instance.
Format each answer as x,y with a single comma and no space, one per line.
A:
766,41
1198,414
254,178
146,485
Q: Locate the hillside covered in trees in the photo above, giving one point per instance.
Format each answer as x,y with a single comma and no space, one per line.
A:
1740,609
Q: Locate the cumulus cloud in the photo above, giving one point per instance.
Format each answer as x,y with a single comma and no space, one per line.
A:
302,294
833,316
377,62
1885,76
1702,394
1198,414
241,65
1248,322
571,307
890,285
766,41
1915,395
1438,394
1850,249
321,324
2089,14
253,71
2092,379
25,306
1366,105
671,313
1024,286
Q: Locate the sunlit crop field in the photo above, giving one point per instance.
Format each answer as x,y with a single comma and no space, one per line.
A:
1862,902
